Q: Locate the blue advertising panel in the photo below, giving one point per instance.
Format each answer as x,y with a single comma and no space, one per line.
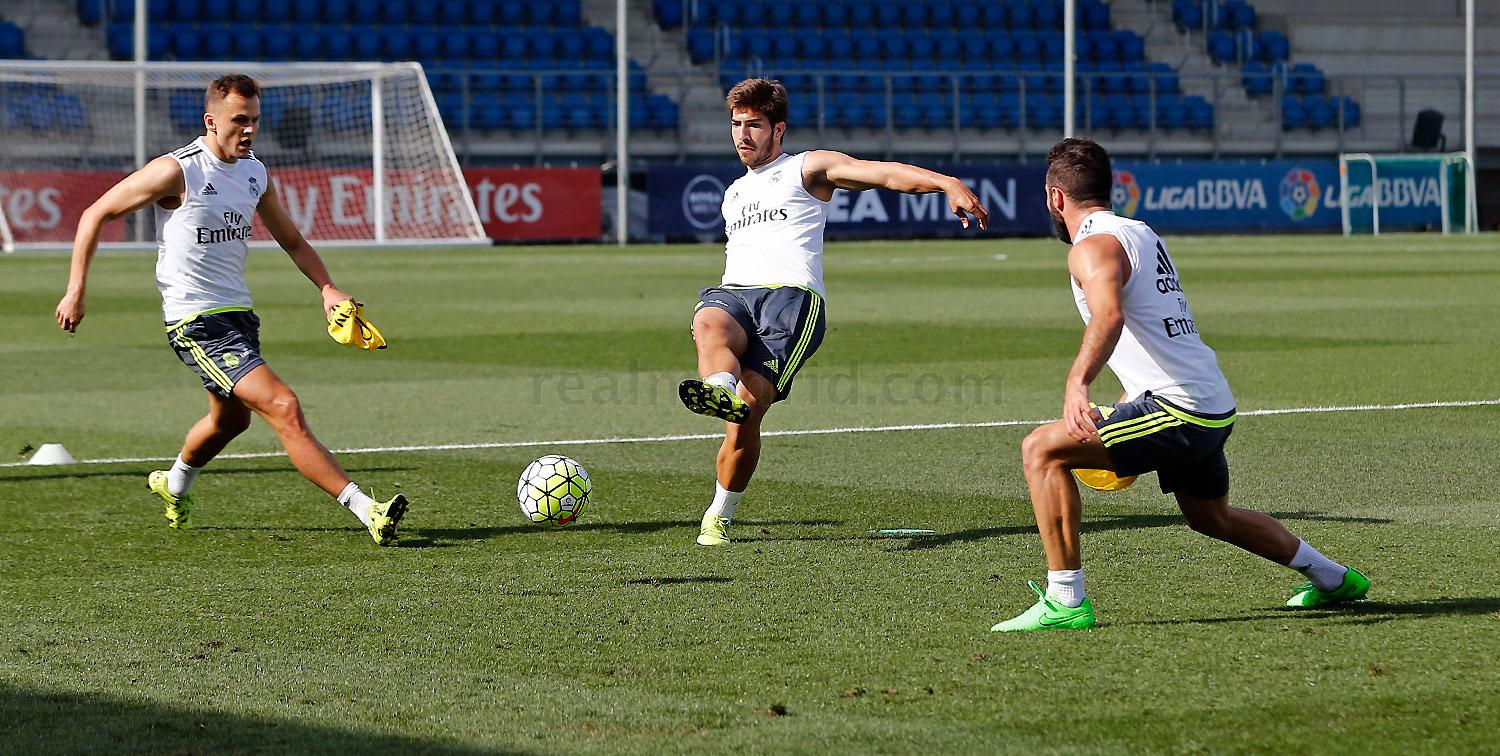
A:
1224,195
686,200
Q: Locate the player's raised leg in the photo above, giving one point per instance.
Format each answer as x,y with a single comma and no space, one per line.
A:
738,456
720,340
268,396
1263,535
226,419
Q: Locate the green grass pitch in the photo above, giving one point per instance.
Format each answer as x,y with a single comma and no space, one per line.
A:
277,626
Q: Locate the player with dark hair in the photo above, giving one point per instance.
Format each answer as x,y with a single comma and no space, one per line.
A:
207,194
762,323
1174,418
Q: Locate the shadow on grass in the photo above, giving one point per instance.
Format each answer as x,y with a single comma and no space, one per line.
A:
643,526
1357,613
57,722
214,471
1113,522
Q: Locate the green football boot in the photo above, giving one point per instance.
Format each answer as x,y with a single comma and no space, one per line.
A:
1354,588
177,506
384,517
1047,614
711,532
714,401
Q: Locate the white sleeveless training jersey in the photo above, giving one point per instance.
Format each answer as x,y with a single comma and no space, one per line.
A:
201,248
775,228
1159,349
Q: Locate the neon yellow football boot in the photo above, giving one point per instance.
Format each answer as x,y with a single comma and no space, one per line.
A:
177,513
714,401
384,517
712,531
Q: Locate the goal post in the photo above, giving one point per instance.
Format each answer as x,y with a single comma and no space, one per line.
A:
357,151
1407,192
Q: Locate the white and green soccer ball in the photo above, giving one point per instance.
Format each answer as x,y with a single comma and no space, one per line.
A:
553,490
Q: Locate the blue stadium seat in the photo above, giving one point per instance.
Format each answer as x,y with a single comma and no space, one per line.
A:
186,10
1028,47
1132,47
835,14
396,43
1240,15
249,43
1257,79
921,49
1351,112
187,43
1321,113
427,43
1221,47
338,44
1293,116
278,44
1187,15
484,45
566,12
888,15
1200,113
1093,15
913,16
308,44
306,11
456,44
993,17
700,43
1274,47
668,13
1166,78
1047,17
601,43
245,13
366,12
391,12
1019,16
1307,79
861,15
967,16
1171,113
336,11
90,12
1105,48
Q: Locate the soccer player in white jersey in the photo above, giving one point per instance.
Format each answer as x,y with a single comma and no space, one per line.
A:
760,325
1174,418
206,196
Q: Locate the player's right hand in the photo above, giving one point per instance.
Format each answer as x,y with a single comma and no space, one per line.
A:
1079,416
961,200
70,312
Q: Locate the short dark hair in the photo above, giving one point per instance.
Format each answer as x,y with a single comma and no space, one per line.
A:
1080,167
239,84
766,96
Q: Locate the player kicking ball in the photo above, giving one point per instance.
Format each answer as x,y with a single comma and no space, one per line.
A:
758,327
207,195
1176,414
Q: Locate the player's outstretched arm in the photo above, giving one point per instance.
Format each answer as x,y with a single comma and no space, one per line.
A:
1099,265
826,170
286,233
158,179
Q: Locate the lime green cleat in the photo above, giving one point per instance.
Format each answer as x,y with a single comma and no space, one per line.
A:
1354,588
1047,614
714,401
711,532
384,517
177,506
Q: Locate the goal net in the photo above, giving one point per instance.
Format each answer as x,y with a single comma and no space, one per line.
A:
1426,192
357,151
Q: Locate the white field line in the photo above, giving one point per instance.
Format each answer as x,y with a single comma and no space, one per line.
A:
808,432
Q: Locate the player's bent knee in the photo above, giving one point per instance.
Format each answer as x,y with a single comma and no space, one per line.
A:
1040,448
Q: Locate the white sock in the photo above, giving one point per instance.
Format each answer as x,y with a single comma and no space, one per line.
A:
1324,573
180,478
357,501
725,379
1066,586
724,499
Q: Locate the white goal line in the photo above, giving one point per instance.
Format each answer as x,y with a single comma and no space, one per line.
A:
807,432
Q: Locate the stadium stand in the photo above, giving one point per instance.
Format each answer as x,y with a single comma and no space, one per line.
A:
1231,37
492,64
937,64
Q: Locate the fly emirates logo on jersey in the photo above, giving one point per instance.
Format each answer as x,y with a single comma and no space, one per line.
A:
236,228
752,213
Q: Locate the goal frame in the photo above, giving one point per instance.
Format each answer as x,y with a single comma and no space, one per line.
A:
374,72
1440,160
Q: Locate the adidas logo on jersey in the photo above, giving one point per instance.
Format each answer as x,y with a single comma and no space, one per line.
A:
773,364
1167,281
209,189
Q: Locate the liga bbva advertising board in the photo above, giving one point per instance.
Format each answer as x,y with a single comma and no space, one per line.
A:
529,204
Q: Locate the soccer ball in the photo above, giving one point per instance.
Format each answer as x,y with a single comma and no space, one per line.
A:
553,490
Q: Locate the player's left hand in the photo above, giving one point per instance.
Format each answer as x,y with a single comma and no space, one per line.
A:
331,298
963,203
1079,416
